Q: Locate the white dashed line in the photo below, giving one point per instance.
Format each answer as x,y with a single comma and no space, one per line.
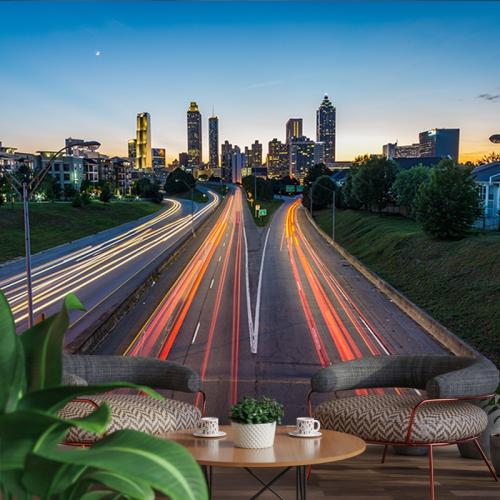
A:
196,332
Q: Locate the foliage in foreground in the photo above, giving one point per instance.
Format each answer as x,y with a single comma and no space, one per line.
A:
448,204
125,464
255,411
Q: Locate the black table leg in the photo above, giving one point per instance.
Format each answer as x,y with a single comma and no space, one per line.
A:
207,471
301,482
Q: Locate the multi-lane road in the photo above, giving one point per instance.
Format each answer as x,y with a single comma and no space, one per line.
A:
97,266
258,310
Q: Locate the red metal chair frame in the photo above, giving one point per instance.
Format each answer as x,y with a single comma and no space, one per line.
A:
410,442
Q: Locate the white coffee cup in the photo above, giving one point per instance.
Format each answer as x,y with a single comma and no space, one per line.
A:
307,426
209,426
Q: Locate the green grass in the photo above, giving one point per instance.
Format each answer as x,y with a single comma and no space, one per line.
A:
198,196
271,206
457,282
55,223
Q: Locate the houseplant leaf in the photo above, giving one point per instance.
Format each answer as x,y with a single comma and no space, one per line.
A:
12,377
165,465
44,344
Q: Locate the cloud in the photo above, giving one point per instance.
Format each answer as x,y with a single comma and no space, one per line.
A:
260,85
489,97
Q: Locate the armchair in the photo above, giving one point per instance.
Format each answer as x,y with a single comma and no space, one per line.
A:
436,413
132,410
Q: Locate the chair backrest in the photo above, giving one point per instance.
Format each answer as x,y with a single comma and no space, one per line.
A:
440,376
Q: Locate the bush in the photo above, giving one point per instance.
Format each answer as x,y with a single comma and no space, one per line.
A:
77,200
105,195
264,187
177,180
86,198
69,192
449,203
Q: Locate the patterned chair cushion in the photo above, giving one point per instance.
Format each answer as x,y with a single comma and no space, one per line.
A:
386,418
133,411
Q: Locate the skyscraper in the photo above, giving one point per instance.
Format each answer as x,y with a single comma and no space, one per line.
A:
226,155
144,157
194,135
254,155
213,142
293,128
440,142
277,159
132,151
325,129
301,151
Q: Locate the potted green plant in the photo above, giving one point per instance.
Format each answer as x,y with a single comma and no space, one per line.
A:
254,422
124,464
493,407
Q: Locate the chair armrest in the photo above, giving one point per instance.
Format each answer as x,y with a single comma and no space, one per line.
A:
478,379
155,373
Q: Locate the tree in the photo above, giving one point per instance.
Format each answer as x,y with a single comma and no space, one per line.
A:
407,184
77,200
105,194
50,188
489,158
264,187
173,184
322,192
449,203
347,197
373,182
312,175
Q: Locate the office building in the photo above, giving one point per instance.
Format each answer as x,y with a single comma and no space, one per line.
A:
132,151
254,155
301,156
440,142
325,130
394,150
293,129
277,159
183,161
144,157
226,152
159,158
238,164
194,136
213,142
67,170
319,153
75,148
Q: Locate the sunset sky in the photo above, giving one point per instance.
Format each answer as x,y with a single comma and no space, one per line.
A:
85,69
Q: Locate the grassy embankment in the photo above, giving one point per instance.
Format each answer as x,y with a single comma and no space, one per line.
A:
456,282
271,206
55,223
198,196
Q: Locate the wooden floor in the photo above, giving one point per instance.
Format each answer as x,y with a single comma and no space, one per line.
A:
365,478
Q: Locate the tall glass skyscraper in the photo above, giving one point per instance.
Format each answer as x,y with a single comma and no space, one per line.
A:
194,135
144,157
325,129
213,142
293,129
440,143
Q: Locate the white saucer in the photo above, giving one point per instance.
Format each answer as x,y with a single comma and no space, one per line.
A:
209,436
295,434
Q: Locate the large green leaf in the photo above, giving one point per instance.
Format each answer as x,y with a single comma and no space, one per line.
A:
55,398
132,488
22,432
12,376
45,478
165,465
44,345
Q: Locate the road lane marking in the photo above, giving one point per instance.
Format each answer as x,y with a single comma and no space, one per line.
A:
196,332
212,282
255,338
220,258
247,286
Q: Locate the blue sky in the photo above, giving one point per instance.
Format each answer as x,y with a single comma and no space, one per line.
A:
391,68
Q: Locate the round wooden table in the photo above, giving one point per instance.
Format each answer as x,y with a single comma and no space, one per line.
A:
288,452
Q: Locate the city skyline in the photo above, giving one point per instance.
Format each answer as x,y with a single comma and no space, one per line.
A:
395,70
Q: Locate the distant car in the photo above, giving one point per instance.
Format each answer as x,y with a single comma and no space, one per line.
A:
495,138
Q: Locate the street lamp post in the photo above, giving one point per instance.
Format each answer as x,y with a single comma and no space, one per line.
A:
333,204
25,189
192,202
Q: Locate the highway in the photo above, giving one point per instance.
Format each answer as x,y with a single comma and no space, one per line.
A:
257,311
96,266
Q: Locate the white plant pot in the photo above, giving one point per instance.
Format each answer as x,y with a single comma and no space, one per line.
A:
253,435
